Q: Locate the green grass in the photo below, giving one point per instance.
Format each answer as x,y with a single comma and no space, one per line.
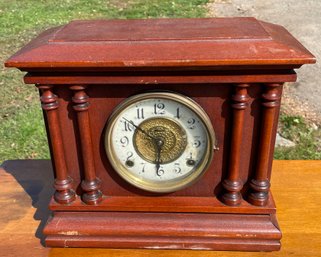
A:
23,135
307,139
22,132
34,15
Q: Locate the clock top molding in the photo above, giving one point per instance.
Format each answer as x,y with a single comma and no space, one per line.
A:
209,43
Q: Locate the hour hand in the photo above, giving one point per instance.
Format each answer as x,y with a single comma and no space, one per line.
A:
139,128
158,159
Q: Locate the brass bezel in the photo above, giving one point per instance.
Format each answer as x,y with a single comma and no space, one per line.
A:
167,186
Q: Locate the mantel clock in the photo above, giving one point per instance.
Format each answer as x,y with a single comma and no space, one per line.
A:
162,131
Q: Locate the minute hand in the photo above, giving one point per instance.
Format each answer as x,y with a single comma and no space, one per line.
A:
140,129
158,160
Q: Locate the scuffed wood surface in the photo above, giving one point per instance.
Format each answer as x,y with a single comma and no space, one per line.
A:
25,190
162,43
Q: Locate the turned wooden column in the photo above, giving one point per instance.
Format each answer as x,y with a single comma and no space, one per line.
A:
90,184
63,183
232,184
260,184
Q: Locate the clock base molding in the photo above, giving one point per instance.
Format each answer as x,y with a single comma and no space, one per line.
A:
197,231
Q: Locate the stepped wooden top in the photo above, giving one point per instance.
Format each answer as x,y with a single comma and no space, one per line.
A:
150,43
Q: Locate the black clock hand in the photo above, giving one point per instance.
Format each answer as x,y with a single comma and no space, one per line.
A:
158,158
159,144
140,129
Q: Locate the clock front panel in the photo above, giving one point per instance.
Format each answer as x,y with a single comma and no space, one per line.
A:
214,99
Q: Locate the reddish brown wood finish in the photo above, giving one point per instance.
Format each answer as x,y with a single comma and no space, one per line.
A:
91,183
102,63
128,44
164,231
260,184
163,77
63,182
166,204
103,99
233,183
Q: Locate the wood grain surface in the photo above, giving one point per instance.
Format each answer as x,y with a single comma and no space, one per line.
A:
158,43
26,187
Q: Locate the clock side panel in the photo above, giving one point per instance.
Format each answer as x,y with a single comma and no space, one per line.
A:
215,99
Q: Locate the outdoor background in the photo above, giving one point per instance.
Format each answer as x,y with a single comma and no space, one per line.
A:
22,134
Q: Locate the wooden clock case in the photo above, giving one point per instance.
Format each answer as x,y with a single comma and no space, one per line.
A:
233,67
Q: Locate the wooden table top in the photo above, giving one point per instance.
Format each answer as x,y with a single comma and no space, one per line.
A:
26,186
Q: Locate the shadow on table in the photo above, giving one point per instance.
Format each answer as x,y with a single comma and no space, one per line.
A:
36,178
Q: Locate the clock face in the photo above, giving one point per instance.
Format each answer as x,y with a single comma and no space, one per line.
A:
159,142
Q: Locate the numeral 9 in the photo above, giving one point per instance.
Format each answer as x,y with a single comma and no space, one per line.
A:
124,141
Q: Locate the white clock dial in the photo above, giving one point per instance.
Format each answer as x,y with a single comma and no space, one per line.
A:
159,142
